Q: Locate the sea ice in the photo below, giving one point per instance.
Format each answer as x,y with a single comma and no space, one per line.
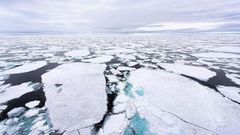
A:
27,67
231,92
216,55
31,112
16,112
200,73
14,91
187,100
77,53
82,98
99,59
115,124
32,104
233,49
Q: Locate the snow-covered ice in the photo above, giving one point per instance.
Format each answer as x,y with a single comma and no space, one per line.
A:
188,100
216,55
201,73
27,67
137,97
14,91
231,92
77,53
232,49
31,113
100,59
82,97
32,104
16,112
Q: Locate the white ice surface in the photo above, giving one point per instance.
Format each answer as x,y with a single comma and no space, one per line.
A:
32,112
16,112
14,91
197,72
231,92
115,125
82,99
188,100
100,59
233,49
77,53
26,67
32,104
216,55
234,77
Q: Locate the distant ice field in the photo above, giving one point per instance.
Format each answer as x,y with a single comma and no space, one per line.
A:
175,84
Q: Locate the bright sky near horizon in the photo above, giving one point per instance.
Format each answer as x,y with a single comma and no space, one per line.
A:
121,16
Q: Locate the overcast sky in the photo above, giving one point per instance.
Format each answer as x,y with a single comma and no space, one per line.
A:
119,15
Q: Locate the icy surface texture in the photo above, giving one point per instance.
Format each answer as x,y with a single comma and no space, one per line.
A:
176,84
80,100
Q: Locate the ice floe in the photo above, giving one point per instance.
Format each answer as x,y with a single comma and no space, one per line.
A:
231,92
77,53
216,55
16,112
233,49
115,125
201,73
27,67
14,91
82,98
188,101
31,113
100,59
32,104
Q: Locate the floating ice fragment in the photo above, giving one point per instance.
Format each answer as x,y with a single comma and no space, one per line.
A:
27,67
32,104
31,112
16,112
14,92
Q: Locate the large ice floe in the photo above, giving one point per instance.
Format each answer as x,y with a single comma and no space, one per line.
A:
178,105
76,96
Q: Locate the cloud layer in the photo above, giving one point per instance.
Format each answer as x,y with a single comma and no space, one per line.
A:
119,15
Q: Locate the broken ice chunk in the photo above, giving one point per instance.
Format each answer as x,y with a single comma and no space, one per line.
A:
122,68
115,124
16,112
14,92
31,112
32,104
27,67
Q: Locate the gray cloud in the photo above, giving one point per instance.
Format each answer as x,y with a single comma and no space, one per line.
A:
118,15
